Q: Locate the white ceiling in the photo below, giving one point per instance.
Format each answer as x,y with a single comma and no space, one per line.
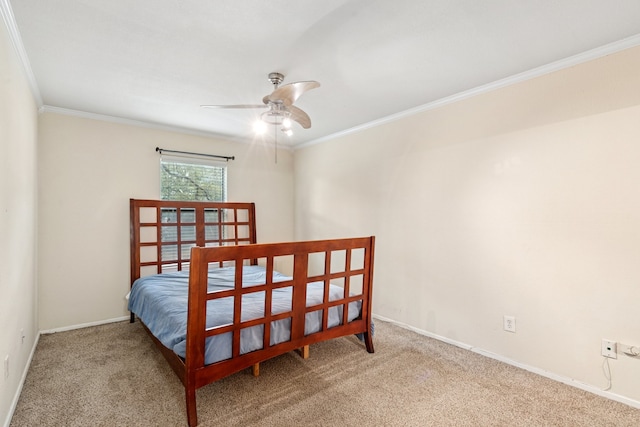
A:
157,61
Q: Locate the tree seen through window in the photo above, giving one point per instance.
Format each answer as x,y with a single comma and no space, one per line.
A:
192,181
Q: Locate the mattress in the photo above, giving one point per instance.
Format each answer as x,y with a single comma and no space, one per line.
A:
160,301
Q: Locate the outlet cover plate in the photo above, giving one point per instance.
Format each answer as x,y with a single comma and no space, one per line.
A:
509,323
609,349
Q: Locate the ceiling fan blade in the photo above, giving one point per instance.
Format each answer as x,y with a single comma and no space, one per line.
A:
299,116
239,106
287,94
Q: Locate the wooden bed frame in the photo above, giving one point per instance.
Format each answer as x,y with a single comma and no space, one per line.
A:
169,236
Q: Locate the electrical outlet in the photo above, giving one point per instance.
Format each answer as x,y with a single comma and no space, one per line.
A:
609,349
6,367
509,323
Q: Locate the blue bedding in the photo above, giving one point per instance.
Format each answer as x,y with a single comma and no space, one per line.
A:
160,301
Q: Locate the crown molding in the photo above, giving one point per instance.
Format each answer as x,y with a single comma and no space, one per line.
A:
571,61
129,122
148,125
18,46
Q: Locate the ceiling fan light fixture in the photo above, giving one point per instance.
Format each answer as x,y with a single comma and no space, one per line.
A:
260,127
273,117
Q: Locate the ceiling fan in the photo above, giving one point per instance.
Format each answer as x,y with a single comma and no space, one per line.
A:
279,103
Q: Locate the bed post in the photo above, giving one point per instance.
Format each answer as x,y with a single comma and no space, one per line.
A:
253,236
196,323
368,335
192,413
134,239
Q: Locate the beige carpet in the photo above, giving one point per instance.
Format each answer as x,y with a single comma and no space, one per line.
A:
112,375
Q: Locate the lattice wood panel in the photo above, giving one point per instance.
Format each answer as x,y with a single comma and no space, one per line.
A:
163,232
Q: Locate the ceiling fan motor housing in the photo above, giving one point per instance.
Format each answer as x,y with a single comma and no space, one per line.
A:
276,78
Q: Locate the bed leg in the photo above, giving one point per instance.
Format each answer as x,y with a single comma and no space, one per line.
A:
368,341
192,414
304,352
255,370
133,318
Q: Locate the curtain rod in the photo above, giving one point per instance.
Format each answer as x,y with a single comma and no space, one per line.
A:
227,158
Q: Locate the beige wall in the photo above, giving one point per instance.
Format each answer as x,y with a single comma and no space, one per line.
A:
88,171
18,187
523,201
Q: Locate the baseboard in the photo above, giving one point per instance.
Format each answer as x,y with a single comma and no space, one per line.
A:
84,325
568,381
16,397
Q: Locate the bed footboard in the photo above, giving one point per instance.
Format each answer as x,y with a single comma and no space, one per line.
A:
343,263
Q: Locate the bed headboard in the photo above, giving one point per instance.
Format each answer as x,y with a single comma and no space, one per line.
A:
163,232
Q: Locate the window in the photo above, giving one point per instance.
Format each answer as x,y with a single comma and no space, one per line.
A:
189,179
